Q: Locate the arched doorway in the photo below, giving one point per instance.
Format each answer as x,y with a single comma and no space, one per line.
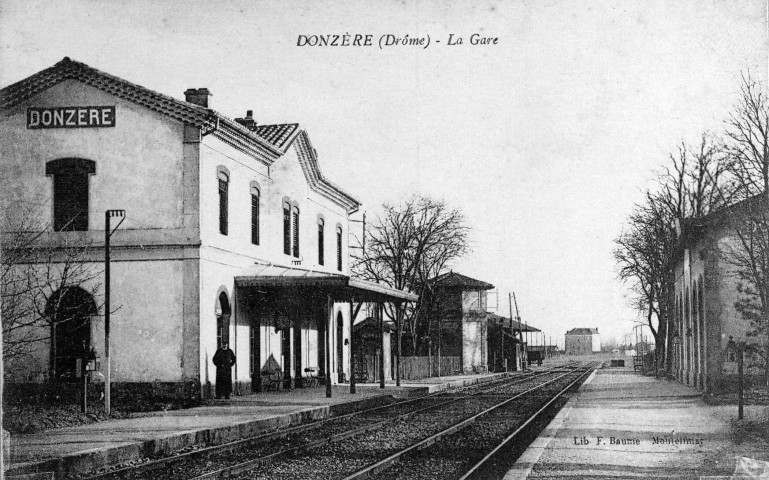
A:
69,311
223,312
339,346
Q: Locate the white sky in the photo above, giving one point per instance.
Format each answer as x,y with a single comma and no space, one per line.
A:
545,140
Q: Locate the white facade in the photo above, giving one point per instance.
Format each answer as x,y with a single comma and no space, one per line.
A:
162,162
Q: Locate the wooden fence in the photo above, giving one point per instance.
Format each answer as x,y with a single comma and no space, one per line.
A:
413,368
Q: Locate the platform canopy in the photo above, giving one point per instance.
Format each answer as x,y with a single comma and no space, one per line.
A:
341,287
515,324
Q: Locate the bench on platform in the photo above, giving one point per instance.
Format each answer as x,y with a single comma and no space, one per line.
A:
271,380
310,377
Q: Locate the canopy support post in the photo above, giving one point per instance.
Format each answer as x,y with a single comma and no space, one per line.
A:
380,315
329,315
398,326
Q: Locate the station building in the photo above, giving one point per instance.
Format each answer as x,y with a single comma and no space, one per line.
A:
582,341
462,319
231,234
707,326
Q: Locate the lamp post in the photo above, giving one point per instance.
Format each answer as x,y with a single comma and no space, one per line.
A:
108,231
677,347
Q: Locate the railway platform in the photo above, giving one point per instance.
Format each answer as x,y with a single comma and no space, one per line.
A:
91,447
622,424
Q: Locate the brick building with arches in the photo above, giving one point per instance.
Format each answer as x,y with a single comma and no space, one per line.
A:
228,232
707,325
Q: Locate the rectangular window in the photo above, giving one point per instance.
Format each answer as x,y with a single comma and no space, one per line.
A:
296,233
255,219
339,249
70,206
320,244
223,207
286,230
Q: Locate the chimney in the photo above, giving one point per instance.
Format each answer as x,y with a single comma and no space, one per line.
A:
248,121
198,96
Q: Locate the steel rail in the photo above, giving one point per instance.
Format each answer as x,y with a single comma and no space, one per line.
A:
210,450
254,463
392,459
206,451
482,463
248,465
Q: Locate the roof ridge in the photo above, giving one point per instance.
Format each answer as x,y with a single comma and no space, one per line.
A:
279,137
182,110
308,158
461,280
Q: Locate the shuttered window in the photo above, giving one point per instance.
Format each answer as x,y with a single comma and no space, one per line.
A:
339,248
255,218
286,229
224,179
321,226
296,232
70,192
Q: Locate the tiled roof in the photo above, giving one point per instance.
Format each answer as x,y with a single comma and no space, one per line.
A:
70,70
266,143
582,331
453,279
67,69
280,135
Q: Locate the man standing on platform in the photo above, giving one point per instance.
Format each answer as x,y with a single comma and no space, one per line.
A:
224,359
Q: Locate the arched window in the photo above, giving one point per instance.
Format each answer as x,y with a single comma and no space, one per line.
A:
222,311
339,247
255,195
224,179
286,227
291,228
69,310
321,234
70,192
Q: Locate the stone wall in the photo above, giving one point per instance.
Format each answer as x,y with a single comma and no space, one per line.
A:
126,396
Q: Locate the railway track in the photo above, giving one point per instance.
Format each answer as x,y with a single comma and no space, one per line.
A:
477,451
287,442
349,445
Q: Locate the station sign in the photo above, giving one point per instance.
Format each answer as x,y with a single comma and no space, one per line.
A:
70,117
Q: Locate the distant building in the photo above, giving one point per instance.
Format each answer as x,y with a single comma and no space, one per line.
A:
462,319
513,348
582,341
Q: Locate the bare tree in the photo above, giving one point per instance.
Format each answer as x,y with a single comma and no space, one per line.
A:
643,253
747,145
36,275
405,247
690,186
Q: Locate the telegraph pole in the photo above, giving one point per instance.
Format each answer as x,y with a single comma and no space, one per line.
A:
518,319
107,234
512,332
